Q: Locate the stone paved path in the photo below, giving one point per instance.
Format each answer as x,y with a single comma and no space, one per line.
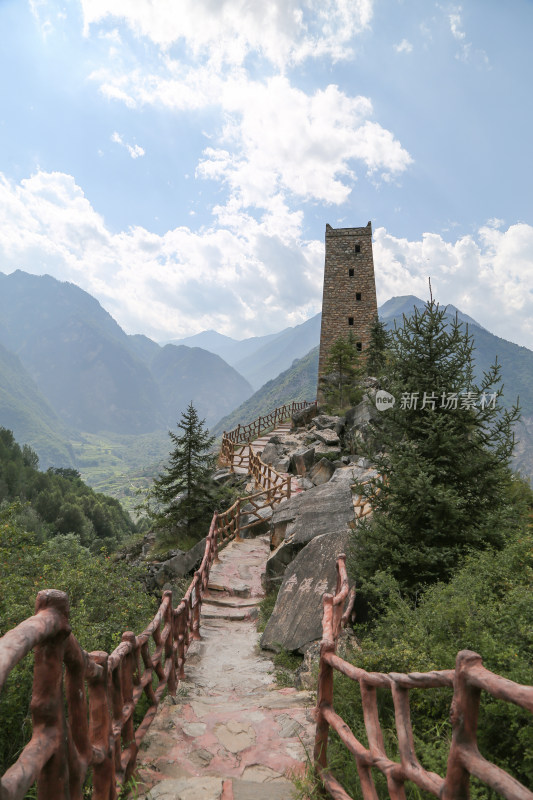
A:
258,446
230,734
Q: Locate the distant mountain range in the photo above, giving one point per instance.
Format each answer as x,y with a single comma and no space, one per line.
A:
296,383
67,367
260,358
300,380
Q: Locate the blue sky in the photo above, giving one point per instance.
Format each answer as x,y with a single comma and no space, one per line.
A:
179,159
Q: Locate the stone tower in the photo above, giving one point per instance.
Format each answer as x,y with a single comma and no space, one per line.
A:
349,298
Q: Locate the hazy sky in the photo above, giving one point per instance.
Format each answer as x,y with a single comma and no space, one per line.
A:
179,159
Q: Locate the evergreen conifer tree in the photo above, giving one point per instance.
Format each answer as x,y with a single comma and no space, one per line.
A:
342,370
443,463
185,489
376,352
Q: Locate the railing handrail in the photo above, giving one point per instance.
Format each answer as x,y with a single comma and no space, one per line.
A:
103,735
244,434
467,680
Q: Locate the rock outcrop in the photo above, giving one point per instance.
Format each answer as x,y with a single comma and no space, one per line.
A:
323,509
296,621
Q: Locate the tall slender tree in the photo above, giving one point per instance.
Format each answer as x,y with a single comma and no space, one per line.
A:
184,490
376,352
342,370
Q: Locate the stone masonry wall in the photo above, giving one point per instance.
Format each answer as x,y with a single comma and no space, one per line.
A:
347,296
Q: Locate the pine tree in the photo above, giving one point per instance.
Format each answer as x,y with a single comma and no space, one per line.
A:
185,489
376,352
342,370
444,461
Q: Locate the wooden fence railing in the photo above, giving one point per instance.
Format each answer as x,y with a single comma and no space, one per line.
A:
70,736
467,680
102,735
233,455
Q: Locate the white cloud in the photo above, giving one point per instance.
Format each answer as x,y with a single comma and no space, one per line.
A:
272,137
135,150
282,31
242,276
488,276
404,47
455,26
466,52
245,276
278,138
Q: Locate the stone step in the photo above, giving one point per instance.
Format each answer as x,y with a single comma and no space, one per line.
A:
216,788
271,790
237,589
219,612
231,602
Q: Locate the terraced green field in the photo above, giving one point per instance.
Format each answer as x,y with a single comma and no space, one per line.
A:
121,466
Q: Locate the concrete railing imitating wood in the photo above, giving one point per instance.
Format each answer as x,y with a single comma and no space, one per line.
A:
70,736
467,680
83,703
234,456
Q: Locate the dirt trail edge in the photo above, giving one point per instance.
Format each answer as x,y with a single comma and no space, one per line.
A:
230,734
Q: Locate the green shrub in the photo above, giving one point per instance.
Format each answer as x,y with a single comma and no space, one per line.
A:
486,607
105,598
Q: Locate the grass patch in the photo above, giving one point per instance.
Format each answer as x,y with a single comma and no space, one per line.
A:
266,607
286,664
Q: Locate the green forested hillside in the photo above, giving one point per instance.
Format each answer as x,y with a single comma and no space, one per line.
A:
296,383
26,412
58,502
105,598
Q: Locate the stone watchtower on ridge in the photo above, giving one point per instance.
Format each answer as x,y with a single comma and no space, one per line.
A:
349,299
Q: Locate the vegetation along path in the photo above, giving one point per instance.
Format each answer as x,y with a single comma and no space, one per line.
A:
230,734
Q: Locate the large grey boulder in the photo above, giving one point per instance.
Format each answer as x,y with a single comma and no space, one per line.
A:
325,421
327,436
302,461
271,452
324,509
322,471
361,414
303,417
181,564
352,474
296,621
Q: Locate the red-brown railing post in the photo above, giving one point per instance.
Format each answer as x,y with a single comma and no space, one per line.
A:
181,628
196,606
238,521
46,705
170,649
100,728
463,717
79,746
128,731
325,690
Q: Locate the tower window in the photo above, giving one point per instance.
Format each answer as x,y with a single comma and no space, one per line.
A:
350,320
351,272
357,248
358,295
359,345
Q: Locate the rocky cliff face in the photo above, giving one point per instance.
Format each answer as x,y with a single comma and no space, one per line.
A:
310,530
